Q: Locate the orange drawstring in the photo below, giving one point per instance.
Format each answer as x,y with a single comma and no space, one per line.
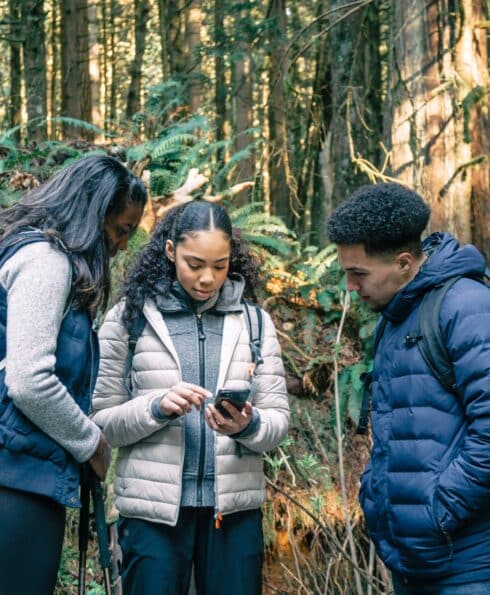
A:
218,517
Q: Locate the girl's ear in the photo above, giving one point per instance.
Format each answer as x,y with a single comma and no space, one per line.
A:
170,250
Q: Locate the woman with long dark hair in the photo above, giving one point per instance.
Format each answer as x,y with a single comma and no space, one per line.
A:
55,246
189,479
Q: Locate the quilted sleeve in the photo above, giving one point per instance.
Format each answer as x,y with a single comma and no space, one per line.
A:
123,419
464,486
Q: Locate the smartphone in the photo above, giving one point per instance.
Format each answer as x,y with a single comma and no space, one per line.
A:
236,397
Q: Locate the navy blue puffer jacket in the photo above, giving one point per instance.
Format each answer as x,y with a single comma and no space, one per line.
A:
426,490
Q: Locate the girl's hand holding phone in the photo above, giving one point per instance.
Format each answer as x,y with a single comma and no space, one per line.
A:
237,421
181,397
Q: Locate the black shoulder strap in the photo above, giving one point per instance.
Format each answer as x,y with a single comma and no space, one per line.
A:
253,314
135,331
432,344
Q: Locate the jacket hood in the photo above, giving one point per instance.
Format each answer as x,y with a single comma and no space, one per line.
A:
446,259
227,300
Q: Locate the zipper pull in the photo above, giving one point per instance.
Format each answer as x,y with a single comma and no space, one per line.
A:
218,517
202,336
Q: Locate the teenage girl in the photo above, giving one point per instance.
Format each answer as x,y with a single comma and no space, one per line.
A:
55,246
189,480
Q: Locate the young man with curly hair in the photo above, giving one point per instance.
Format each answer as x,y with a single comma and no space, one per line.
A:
426,489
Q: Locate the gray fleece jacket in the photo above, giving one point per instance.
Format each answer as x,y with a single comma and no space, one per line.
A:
37,279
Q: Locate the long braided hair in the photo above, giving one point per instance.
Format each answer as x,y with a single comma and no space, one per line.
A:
153,273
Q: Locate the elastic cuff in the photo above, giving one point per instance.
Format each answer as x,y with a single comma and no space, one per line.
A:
252,427
157,413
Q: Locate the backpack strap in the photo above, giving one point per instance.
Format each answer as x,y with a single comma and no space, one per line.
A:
431,342
254,317
367,379
135,332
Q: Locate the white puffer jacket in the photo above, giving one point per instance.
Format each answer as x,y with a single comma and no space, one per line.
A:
150,459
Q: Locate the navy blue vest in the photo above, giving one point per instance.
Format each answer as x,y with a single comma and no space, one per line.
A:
29,459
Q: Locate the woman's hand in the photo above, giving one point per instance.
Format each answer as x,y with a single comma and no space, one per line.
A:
238,422
181,397
101,459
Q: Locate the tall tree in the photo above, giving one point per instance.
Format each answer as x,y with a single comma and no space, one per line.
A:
76,101
355,86
280,180
163,25
438,82
194,20
15,42
34,53
176,36
220,87
243,97
141,11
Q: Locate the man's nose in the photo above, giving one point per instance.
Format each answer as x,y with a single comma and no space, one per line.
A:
351,284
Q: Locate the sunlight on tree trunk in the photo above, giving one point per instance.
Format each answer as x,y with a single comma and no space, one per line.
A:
193,41
34,53
436,71
133,105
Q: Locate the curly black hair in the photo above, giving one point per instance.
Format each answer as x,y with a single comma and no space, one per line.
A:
153,273
384,218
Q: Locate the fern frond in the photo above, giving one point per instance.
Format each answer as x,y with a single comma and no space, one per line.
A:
271,243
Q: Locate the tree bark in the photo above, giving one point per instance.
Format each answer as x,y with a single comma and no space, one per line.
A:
76,93
15,99
142,9
194,19
176,37
163,23
34,53
94,64
280,179
220,86
436,136
355,84
243,101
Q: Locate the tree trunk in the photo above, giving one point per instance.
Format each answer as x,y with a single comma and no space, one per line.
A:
53,106
163,23
15,98
34,53
176,37
142,9
94,64
475,73
355,85
76,93
243,101
193,41
113,12
280,179
436,146
220,93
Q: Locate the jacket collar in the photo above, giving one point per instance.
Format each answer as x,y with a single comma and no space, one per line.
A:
227,300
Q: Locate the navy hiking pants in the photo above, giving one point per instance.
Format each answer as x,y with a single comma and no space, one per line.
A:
158,559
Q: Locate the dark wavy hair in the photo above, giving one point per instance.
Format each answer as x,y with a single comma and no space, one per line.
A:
153,273
385,218
72,207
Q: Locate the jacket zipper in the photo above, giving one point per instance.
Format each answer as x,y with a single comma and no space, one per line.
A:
202,382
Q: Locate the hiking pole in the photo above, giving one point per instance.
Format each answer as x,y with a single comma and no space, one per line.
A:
101,527
83,528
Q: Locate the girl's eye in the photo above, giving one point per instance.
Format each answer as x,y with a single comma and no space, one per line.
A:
220,268
193,267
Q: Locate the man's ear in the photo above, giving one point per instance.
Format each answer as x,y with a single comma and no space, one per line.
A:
170,250
405,261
